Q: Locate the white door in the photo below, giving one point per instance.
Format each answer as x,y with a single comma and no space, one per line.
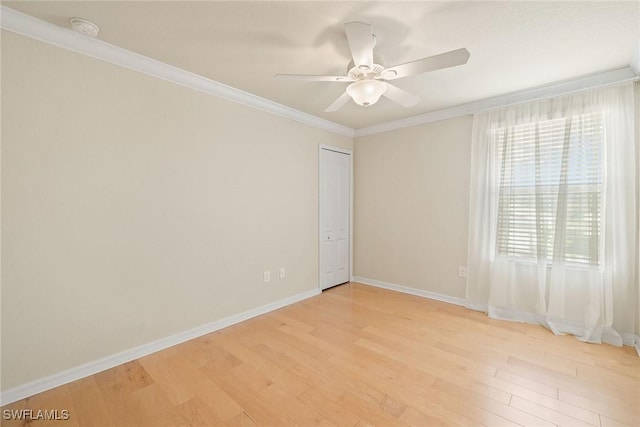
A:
335,201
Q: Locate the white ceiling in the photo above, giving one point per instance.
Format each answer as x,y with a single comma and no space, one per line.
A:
513,45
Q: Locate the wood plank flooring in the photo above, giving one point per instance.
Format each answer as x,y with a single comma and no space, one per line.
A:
361,356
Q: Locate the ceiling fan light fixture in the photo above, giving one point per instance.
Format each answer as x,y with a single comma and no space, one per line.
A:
366,92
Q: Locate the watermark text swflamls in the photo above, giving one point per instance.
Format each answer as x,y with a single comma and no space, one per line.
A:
36,414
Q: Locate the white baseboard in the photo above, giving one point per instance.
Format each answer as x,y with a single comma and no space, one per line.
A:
409,290
627,338
630,339
78,372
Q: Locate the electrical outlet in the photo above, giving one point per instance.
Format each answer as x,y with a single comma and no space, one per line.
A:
282,273
462,272
267,276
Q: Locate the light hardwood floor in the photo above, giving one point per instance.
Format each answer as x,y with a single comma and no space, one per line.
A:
359,356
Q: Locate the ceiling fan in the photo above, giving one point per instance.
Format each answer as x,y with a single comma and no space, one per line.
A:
369,78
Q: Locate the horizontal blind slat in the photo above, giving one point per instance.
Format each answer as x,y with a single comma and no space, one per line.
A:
540,175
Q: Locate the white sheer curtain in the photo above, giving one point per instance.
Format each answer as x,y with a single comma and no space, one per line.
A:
552,233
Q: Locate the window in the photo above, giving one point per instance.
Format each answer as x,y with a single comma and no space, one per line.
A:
553,219
550,183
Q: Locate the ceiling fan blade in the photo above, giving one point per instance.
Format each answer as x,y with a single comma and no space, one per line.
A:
360,41
436,62
400,96
310,78
338,103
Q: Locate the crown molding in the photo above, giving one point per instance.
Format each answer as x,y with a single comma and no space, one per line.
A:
29,26
554,89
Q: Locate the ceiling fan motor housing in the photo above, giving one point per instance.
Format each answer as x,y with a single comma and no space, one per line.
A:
363,71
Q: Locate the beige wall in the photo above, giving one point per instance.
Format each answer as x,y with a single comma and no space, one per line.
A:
134,208
411,205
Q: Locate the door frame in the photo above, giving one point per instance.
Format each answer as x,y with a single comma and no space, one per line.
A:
350,153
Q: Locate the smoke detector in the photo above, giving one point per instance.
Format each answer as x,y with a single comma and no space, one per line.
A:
84,27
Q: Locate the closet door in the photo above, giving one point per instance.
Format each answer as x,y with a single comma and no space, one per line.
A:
335,205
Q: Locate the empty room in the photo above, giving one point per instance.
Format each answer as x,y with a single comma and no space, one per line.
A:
275,213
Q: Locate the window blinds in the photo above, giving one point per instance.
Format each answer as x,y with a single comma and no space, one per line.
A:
550,182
